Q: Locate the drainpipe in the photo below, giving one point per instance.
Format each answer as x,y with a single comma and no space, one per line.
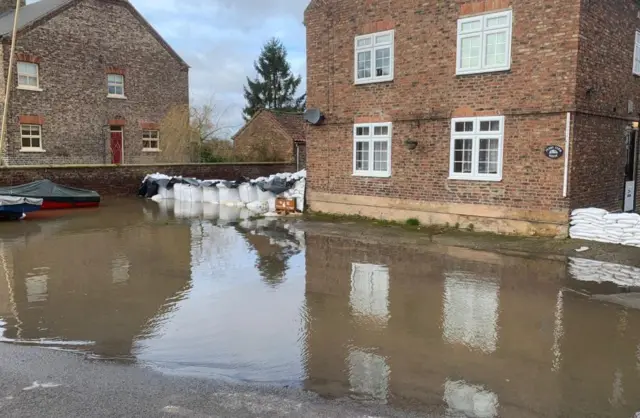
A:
567,137
297,157
3,131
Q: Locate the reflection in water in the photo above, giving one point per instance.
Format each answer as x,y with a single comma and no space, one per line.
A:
370,290
368,374
444,331
469,401
36,288
471,311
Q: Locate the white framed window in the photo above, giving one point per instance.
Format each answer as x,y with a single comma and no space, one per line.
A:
374,57
28,76
150,140
476,148
636,55
484,43
31,137
372,149
116,85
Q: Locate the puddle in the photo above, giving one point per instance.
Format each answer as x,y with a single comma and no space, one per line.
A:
213,294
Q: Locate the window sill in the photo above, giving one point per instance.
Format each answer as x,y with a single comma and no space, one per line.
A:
151,150
483,71
36,150
373,175
470,178
116,96
374,80
29,88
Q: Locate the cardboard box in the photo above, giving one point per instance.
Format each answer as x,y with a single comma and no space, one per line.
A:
285,205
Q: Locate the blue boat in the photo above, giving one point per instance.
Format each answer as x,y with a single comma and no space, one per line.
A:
16,207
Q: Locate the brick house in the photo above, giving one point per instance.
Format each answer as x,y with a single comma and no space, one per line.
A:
94,83
501,114
275,135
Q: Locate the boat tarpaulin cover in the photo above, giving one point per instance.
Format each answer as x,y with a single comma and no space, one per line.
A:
17,200
48,190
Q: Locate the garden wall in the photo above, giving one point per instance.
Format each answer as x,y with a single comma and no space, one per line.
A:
110,180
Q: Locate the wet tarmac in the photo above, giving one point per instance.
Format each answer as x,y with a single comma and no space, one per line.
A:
428,329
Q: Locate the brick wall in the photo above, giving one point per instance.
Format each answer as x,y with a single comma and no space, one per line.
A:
598,163
125,180
264,137
75,48
534,97
605,84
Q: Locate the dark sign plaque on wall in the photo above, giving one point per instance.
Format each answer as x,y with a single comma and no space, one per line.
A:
554,152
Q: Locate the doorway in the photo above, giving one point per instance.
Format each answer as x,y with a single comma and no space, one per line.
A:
631,171
117,145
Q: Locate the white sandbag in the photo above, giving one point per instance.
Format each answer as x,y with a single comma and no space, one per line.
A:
193,194
248,192
229,197
590,211
271,214
272,205
165,193
157,198
258,207
627,222
229,213
620,216
589,218
210,210
265,196
210,195
177,191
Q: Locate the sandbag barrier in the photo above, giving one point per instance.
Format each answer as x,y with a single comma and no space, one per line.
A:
257,195
599,225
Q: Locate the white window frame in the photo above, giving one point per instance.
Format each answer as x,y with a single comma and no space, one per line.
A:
636,55
476,135
373,47
115,84
149,139
37,77
483,32
31,137
371,138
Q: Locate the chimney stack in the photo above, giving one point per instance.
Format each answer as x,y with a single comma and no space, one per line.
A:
9,5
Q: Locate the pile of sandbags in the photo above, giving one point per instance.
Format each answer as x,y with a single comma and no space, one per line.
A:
599,225
258,195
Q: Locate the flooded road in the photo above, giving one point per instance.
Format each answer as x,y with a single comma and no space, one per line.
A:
447,331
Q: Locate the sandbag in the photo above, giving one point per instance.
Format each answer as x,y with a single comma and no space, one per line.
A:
590,211
210,210
229,196
248,192
211,194
265,196
258,207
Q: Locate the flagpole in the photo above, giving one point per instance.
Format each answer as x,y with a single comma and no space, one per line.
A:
5,114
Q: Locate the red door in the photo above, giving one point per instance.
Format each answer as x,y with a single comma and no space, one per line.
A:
116,147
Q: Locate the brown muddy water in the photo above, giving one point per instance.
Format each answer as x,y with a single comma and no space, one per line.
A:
441,330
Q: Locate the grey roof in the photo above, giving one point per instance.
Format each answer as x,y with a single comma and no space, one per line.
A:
29,14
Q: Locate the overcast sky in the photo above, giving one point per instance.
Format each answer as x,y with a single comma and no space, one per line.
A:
220,39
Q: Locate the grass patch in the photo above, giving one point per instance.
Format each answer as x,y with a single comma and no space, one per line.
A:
412,222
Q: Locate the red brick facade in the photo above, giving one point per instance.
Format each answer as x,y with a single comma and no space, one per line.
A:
559,49
273,136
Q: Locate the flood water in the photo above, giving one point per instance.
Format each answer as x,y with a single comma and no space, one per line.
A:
448,331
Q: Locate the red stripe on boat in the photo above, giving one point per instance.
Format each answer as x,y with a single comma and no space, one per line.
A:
49,205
